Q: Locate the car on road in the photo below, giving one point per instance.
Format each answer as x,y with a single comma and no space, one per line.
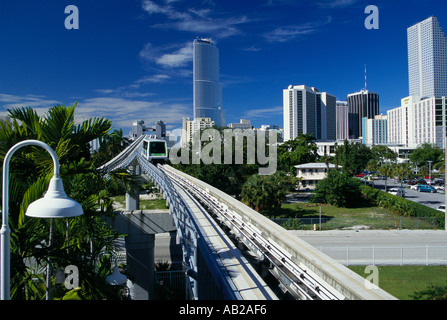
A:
415,187
360,175
426,188
397,192
441,208
439,188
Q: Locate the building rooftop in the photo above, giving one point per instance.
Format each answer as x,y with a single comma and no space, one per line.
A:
314,165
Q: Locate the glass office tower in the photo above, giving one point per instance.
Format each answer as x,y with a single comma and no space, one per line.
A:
207,96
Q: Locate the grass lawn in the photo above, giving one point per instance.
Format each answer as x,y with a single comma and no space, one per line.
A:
404,281
120,203
337,218
312,210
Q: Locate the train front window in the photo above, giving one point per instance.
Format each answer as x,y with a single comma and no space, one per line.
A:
157,147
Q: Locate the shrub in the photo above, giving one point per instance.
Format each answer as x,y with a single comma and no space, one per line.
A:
338,189
401,206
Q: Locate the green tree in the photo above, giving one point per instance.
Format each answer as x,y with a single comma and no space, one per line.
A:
387,171
382,153
426,152
76,241
302,149
266,192
353,157
402,171
372,166
338,189
110,145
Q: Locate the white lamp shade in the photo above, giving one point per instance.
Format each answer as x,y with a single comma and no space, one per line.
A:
116,278
55,203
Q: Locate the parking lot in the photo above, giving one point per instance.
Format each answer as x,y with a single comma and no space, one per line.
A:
432,200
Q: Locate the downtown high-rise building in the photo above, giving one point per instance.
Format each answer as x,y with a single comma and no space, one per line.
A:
422,116
427,59
207,90
308,111
342,124
362,104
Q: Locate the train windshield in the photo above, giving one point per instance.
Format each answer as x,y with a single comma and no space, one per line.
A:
157,147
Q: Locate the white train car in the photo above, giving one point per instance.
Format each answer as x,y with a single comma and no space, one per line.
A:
154,150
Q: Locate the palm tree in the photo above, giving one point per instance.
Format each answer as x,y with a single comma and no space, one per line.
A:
402,171
77,240
110,145
372,166
386,170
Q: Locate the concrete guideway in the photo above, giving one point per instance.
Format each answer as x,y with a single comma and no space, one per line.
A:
246,280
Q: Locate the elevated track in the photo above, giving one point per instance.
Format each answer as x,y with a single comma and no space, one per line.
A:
212,226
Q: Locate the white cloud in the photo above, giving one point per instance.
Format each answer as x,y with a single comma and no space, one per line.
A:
331,4
39,103
195,20
179,57
156,78
262,113
122,111
286,33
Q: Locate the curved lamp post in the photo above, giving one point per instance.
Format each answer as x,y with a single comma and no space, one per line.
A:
55,204
116,278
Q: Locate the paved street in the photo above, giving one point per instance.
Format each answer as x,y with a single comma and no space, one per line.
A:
432,200
380,246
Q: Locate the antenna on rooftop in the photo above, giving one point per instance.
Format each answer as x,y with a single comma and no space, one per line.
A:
366,87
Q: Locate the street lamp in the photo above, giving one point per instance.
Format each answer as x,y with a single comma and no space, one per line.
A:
429,171
55,204
116,278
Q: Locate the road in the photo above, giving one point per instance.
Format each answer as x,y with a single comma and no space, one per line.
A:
394,247
432,200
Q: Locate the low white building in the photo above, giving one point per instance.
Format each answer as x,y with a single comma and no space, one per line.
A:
312,173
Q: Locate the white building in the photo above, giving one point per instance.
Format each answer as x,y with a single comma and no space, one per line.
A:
312,173
375,131
427,59
243,125
418,121
308,111
190,127
421,118
342,126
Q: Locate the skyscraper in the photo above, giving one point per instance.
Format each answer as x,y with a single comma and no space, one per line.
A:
308,111
207,96
362,104
427,59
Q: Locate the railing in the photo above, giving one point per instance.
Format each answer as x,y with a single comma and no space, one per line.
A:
171,285
357,222
387,255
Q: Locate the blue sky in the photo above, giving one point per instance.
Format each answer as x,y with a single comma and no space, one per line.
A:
132,59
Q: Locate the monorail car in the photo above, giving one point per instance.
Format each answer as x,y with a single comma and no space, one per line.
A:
155,150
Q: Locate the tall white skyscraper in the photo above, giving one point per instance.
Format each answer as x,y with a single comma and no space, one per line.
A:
308,111
427,59
207,96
